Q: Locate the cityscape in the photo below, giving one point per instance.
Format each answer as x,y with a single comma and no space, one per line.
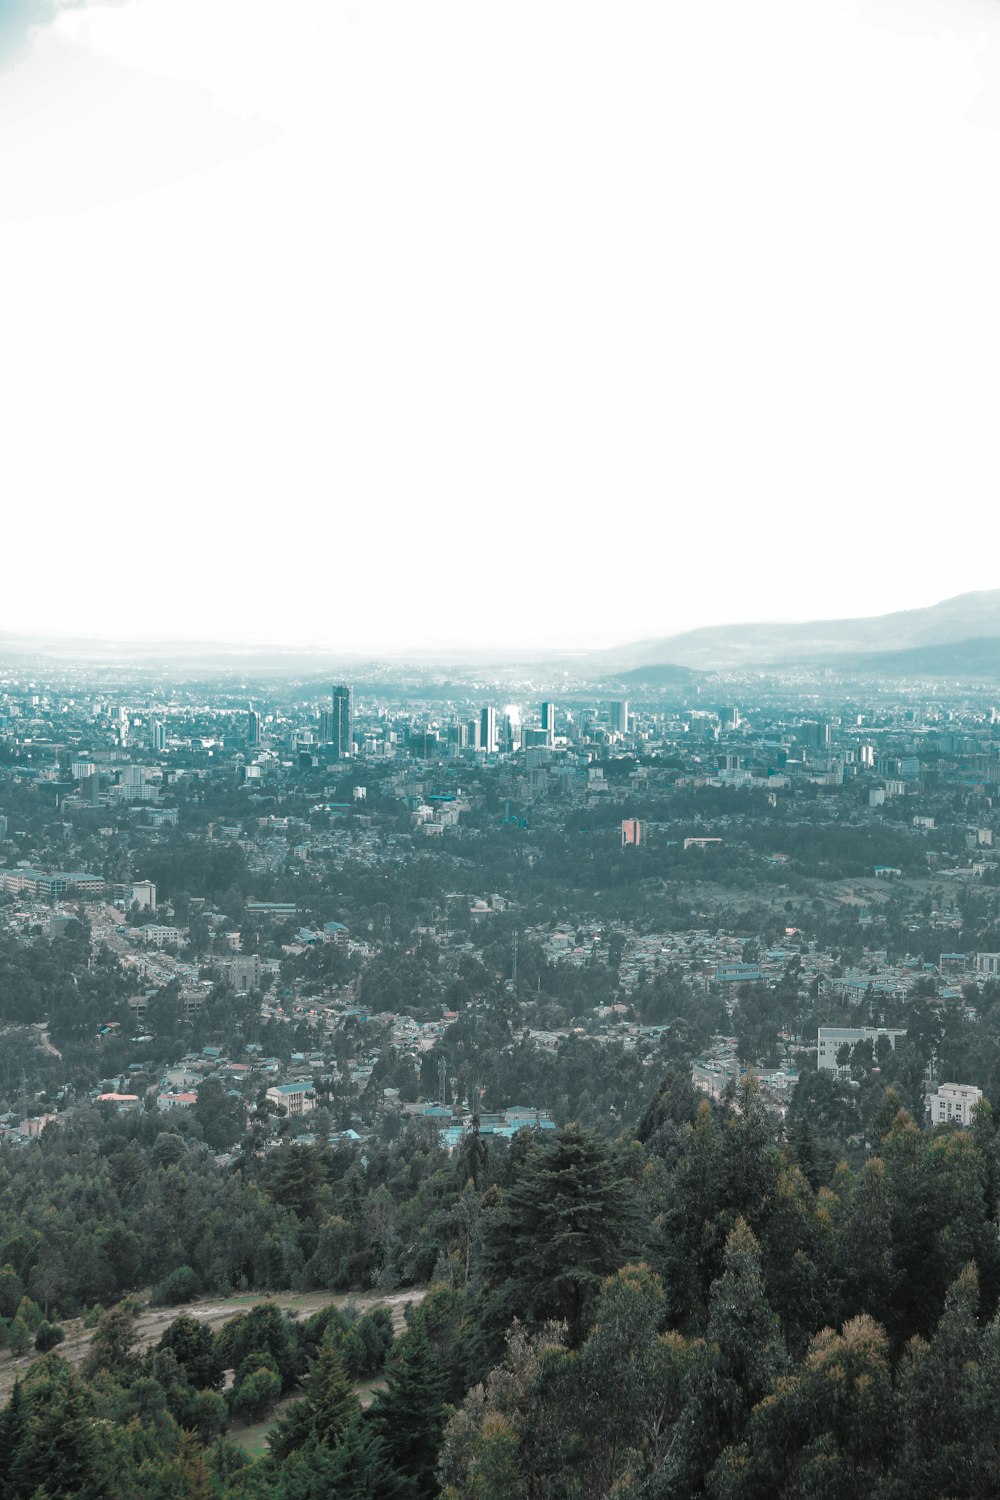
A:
499,750
335,953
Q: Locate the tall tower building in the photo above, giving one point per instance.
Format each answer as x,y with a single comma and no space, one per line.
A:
488,730
253,727
619,716
157,737
549,720
342,722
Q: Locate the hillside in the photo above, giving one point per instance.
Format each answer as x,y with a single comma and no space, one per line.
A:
967,617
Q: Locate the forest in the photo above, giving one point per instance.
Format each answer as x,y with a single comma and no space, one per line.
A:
705,1305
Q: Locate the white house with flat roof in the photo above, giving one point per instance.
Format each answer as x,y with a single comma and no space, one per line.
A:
953,1104
832,1038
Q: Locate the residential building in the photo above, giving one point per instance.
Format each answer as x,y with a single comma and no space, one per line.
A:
953,1104
293,1098
831,1038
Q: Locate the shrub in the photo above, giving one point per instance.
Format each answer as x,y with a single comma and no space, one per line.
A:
48,1336
180,1286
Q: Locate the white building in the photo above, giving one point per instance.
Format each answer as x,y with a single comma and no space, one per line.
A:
143,894
988,965
831,1038
953,1104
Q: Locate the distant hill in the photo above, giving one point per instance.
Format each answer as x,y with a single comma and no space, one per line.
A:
968,617
658,675
967,625
978,658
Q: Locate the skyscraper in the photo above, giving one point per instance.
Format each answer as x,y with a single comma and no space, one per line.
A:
619,716
342,722
253,727
157,737
488,731
549,720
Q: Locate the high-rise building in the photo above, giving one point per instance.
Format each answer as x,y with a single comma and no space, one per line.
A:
619,716
157,737
488,730
509,733
253,727
341,735
549,720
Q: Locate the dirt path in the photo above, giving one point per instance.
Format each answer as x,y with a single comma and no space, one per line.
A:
213,1311
45,1042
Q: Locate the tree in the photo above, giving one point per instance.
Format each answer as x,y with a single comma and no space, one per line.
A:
58,1450
297,1179
546,1245
825,1431
409,1413
48,1336
263,1330
113,1346
195,1351
943,1418
257,1385
13,1421
625,1386
330,1396
739,1364
482,1454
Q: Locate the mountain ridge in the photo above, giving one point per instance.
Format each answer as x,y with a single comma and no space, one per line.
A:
971,616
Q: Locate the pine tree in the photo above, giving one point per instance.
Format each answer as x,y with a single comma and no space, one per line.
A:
358,1467
59,1449
13,1422
567,1222
409,1412
330,1396
113,1346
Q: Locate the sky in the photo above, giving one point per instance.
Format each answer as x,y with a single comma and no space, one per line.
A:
421,323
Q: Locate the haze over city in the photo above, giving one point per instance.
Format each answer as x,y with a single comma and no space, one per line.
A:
499,750
425,325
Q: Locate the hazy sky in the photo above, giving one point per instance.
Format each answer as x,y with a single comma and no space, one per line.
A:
548,323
